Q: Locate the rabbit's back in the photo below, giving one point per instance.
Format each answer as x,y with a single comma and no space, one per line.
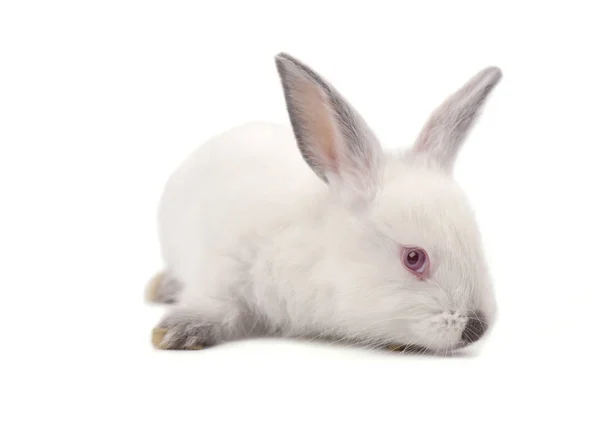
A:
237,184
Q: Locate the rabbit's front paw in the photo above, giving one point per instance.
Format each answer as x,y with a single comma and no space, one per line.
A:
178,332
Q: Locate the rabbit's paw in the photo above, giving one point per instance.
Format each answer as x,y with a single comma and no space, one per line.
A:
164,288
177,332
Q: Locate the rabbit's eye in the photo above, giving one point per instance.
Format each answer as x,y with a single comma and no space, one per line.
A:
416,261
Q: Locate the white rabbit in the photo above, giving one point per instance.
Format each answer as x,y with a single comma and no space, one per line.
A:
363,246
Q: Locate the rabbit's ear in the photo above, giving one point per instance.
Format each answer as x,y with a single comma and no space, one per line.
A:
332,137
448,126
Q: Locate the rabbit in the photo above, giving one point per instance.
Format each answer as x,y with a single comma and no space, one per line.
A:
313,231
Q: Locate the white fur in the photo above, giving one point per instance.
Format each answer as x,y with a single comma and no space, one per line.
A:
255,237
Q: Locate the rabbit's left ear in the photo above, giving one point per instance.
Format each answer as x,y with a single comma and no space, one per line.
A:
448,126
333,138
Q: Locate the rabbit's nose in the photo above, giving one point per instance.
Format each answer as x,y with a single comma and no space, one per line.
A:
475,328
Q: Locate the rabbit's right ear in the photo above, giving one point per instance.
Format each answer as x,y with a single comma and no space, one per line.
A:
333,138
448,126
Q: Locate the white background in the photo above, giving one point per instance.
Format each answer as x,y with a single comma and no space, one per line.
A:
100,101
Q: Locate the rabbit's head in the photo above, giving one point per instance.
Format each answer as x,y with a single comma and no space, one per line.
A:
401,244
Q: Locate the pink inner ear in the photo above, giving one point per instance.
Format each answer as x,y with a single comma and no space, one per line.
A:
318,123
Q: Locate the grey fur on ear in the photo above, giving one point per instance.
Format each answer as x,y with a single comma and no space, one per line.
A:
449,125
332,137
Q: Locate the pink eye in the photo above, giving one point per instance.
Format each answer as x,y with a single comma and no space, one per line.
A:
416,261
